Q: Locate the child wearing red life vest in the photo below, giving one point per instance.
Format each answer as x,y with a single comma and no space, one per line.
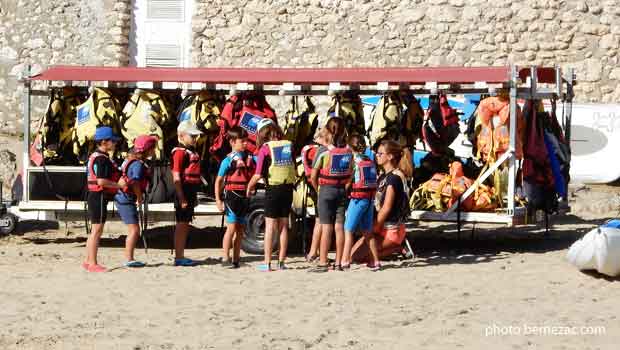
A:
103,180
187,183
332,170
233,177
276,165
137,176
360,212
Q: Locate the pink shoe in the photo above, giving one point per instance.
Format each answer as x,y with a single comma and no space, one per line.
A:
96,268
85,265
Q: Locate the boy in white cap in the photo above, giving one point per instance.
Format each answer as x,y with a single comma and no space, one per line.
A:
187,183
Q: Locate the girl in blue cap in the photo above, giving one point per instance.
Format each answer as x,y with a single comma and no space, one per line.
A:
103,181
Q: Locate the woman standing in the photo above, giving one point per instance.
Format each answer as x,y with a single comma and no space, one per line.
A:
392,206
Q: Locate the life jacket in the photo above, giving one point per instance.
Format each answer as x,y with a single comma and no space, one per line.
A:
301,123
143,183
282,168
191,172
240,172
92,177
101,108
386,120
413,118
351,111
245,110
338,169
144,114
203,109
308,154
365,183
404,209
440,126
57,132
493,138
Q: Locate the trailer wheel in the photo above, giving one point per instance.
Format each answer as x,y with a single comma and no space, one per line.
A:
8,223
254,238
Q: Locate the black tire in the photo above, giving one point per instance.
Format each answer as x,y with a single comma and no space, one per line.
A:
254,238
8,223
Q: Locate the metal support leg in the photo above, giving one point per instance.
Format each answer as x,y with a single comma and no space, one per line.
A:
26,154
512,169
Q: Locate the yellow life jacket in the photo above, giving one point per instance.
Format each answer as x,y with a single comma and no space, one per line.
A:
203,109
413,118
101,108
143,114
386,120
351,111
282,168
57,131
301,123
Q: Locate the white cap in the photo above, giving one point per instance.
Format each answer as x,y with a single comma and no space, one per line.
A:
263,123
187,127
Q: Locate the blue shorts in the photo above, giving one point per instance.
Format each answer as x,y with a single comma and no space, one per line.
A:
128,212
360,216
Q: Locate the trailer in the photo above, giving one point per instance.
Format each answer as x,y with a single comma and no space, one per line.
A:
520,83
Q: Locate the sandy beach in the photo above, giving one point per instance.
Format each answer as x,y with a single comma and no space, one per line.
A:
505,289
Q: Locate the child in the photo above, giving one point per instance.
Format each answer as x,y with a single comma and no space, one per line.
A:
187,183
103,182
276,166
235,173
136,175
308,154
359,216
332,170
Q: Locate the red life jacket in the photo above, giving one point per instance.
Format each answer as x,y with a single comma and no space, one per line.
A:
308,153
92,177
191,172
366,184
337,171
240,172
246,111
448,114
143,183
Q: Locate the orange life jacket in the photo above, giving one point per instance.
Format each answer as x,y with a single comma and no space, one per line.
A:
308,153
338,170
365,185
493,139
191,173
143,183
92,177
240,172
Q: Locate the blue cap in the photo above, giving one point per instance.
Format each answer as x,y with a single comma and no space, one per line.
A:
105,133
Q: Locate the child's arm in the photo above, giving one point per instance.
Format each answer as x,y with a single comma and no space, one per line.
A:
108,183
388,202
135,187
219,184
314,179
178,187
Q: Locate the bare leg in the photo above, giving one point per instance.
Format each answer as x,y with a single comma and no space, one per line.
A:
316,239
239,230
348,245
227,241
92,243
270,225
180,239
360,251
339,228
132,239
283,226
326,241
374,249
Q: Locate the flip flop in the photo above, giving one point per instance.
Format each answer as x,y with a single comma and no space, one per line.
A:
134,263
311,259
281,266
184,262
319,268
96,268
264,267
85,265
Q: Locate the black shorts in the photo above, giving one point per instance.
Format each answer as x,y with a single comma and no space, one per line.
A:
185,214
278,200
332,204
237,202
97,207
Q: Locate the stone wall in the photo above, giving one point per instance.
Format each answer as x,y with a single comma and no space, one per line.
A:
42,33
329,33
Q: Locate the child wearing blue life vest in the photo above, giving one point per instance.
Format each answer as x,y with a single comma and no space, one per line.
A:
331,173
136,174
232,181
360,212
276,165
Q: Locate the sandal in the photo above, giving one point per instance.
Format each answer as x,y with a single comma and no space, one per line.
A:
85,265
235,265
374,267
264,267
134,263
281,266
346,266
319,268
184,262
311,259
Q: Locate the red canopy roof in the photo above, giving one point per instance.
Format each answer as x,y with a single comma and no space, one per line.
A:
276,76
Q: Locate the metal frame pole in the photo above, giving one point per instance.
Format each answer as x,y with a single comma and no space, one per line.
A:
570,77
512,169
26,153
